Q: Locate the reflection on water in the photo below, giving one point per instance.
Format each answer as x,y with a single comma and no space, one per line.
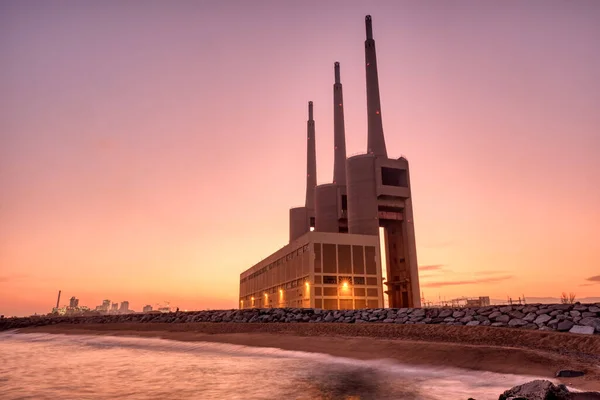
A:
44,366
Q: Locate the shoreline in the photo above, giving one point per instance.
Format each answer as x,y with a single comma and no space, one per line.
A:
533,353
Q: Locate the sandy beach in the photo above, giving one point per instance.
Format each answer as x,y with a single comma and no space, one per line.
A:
479,348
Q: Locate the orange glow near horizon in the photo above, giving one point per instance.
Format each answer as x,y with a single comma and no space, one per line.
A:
159,175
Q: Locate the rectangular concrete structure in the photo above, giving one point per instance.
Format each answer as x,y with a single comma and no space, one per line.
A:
317,270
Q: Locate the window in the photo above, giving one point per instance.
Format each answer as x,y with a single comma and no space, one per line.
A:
329,258
394,177
329,280
330,291
372,292
346,304
317,257
359,280
370,260
344,202
372,281
358,260
330,304
359,292
344,259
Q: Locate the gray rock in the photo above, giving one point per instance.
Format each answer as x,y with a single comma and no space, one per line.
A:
516,314
574,313
536,390
542,319
495,314
505,309
569,373
530,317
593,322
445,313
486,322
594,309
529,309
564,325
458,314
466,319
498,324
503,318
515,322
583,330
588,314
418,313
562,307
388,321
473,323
580,307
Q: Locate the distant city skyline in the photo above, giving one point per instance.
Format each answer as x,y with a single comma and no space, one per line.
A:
144,150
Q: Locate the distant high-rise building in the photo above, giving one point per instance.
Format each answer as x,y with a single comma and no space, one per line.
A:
114,307
74,302
124,306
147,308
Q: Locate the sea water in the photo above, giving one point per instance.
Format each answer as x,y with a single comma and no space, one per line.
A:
51,366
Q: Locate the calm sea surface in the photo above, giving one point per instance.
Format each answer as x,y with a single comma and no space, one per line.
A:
44,366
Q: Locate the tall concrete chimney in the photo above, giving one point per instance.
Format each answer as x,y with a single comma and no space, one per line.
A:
375,141
339,133
311,160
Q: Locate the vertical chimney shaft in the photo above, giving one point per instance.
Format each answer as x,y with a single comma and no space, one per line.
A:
376,140
339,133
311,160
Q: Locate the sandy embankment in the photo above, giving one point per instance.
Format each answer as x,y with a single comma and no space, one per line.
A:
499,350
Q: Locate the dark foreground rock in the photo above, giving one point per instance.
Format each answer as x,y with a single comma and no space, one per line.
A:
545,390
569,373
553,317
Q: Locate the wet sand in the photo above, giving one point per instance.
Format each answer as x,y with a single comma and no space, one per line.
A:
501,350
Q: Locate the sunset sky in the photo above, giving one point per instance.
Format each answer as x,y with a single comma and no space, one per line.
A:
150,151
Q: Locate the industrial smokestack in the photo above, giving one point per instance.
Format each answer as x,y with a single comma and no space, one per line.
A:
311,160
58,299
376,141
339,133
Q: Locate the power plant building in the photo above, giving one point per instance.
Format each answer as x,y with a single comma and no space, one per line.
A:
333,258
317,270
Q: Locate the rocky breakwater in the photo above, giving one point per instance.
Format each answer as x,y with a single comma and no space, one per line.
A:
574,318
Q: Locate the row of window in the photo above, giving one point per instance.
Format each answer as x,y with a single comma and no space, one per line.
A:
275,289
298,252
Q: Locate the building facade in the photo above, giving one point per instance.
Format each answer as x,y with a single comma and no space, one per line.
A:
317,270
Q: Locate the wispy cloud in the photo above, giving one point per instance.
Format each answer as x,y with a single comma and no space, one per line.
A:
594,279
430,267
467,282
489,272
11,278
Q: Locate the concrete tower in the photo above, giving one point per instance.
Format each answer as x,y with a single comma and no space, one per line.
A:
303,218
330,199
375,141
339,132
379,195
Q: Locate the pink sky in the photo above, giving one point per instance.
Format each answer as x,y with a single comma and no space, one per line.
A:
151,153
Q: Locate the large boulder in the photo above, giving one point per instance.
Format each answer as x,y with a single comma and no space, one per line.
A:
593,322
537,390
